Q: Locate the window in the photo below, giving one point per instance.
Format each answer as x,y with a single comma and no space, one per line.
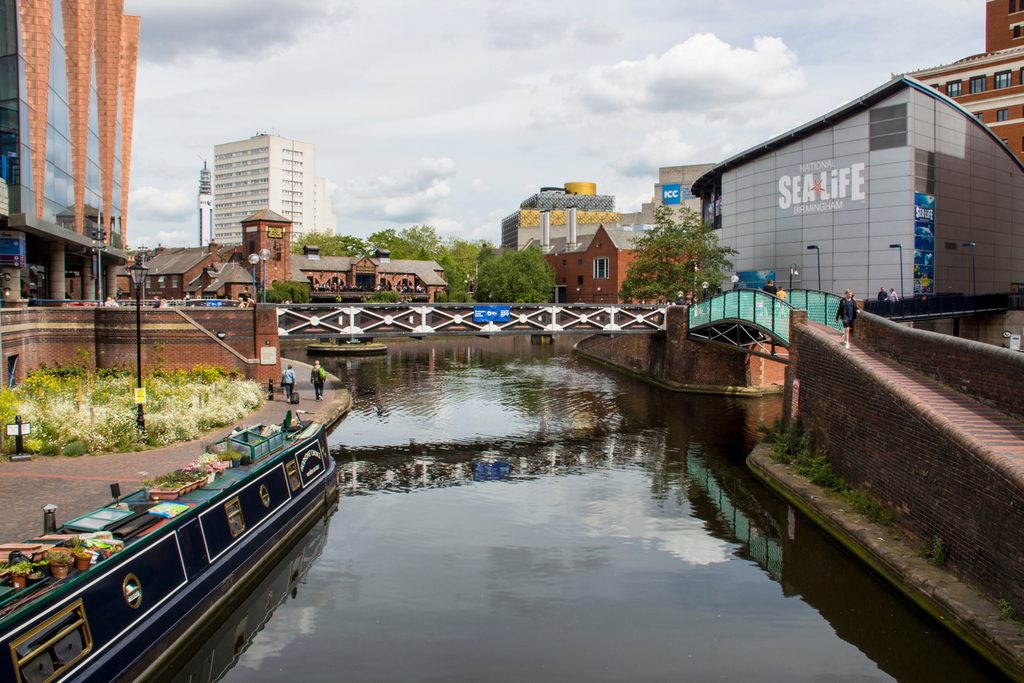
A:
601,269
579,279
955,88
1016,31
980,116
579,262
1003,79
1002,114
236,523
978,84
293,475
564,262
1013,6
888,127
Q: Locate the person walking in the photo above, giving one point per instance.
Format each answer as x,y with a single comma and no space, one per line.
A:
318,376
893,298
288,382
770,287
847,313
882,296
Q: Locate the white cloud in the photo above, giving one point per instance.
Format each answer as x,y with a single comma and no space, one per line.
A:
171,237
161,205
409,196
702,75
663,147
231,29
511,28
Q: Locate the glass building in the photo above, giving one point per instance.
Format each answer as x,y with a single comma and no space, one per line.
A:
900,188
67,98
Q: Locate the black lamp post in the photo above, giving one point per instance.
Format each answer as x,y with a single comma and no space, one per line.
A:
138,273
900,247
974,273
792,271
817,251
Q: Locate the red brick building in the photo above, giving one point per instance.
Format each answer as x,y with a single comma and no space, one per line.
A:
990,85
591,271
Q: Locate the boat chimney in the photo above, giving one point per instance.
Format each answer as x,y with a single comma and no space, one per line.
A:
49,518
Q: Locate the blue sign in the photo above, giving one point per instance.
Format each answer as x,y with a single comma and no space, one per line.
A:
754,279
484,470
492,314
671,194
924,243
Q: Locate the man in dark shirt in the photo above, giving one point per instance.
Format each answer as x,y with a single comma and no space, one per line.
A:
882,296
771,288
847,313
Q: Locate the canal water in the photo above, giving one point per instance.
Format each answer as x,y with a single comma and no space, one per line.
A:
513,513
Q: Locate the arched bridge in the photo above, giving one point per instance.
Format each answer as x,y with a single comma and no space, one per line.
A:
423,320
758,321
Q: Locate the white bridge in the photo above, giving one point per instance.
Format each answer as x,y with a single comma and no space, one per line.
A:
423,320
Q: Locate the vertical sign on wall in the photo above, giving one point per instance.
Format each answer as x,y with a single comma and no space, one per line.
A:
924,243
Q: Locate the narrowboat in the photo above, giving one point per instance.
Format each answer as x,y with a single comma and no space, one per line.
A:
158,566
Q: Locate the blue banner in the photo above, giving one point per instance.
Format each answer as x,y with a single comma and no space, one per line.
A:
492,314
924,243
671,194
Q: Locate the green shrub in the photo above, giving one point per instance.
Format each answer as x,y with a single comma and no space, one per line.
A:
936,551
75,448
385,297
1006,609
789,443
296,292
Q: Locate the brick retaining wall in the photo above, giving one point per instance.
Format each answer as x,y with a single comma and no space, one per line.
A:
172,338
674,360
938,481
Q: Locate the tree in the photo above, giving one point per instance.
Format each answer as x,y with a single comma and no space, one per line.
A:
331,244
459,261
281,291
515,277
419,242
675,256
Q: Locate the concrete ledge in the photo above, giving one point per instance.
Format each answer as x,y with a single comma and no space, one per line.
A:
332,411
710,389
952,603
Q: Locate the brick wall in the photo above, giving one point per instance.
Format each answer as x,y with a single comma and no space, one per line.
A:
936,482
989,373
171,338
674,360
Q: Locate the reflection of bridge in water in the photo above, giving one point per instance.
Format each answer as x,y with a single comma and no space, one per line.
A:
412,467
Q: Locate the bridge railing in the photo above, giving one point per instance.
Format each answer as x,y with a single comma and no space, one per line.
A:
940,306
821,307
751,305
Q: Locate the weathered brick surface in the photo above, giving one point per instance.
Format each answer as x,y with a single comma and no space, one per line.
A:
675,360
947,465
989,373
106,337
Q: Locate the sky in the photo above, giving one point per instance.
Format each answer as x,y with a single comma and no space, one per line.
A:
451,112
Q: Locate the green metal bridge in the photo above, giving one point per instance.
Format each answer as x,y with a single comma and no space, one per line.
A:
757,321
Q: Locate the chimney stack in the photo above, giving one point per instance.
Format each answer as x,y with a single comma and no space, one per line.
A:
545,231
570,220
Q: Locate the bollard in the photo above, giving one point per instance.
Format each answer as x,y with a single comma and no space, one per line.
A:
270,389
49,518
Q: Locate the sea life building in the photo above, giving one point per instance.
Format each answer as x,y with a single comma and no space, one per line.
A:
899,188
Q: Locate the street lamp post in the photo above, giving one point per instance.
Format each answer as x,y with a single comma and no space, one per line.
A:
817,252
264,257
792,271
974,272
138,273
254,259
900,247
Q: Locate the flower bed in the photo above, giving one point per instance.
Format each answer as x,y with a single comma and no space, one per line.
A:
75,412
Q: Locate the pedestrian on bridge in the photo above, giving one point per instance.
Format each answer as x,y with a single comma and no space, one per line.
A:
288,382
882,296
847,313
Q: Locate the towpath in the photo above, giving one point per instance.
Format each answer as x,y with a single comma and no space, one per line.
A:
79,485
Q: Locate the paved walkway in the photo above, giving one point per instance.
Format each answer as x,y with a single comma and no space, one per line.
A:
79,485
989,428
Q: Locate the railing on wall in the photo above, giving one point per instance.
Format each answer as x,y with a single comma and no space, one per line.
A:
944,306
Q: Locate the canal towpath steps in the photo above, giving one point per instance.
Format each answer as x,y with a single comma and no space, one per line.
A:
81,484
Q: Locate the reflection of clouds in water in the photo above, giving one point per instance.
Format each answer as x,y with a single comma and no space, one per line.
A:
277,636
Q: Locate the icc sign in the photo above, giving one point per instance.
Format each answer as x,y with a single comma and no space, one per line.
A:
670,194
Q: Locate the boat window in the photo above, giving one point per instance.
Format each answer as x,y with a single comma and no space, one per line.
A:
53,647
293,475
236,523
264,495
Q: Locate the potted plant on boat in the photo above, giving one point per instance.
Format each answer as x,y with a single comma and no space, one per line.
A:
83,558
60,560
172,485
19,572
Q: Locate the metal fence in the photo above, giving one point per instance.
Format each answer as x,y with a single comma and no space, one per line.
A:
944,306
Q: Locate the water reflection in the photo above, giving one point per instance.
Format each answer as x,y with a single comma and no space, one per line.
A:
568,523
